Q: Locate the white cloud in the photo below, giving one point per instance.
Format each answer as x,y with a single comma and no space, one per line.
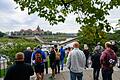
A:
114,15
15,19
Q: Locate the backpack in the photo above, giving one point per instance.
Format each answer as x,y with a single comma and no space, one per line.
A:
111,60
38,58
57,55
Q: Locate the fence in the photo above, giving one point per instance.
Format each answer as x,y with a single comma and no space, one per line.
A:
118,63
3,65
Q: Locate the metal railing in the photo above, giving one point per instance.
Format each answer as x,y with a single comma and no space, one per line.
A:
118,62
3,65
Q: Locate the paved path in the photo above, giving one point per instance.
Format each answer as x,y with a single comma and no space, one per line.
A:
64,75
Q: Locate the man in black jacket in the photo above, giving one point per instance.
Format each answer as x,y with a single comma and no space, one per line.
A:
28,54
52,58
20,70
96,63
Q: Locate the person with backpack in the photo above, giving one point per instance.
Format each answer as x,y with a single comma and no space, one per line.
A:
95,58
108,60
62,56
39,58
57,61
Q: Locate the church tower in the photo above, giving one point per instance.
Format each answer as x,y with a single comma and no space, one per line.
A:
38,28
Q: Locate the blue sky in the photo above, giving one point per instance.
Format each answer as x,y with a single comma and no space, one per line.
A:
12,19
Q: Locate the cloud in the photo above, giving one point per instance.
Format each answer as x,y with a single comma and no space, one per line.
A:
114,15
14,19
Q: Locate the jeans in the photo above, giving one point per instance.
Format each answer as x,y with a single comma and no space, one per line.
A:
96,73
86,65
107,74
62,64
73,75
46,67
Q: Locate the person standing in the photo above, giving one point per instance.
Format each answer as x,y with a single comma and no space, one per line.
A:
95,58
86,52
39,58
57,61
114,47
68,51
28,54
46,61
108,60
99,47
52,58
76,62
20,70
62,56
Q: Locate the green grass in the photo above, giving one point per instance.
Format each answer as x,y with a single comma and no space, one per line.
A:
2,72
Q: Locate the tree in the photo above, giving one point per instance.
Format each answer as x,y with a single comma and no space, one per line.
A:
90,12
91,36
2,34
118,23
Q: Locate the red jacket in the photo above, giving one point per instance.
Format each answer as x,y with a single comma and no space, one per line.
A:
105,55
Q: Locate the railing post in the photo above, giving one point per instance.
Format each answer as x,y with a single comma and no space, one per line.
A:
0,66
4,67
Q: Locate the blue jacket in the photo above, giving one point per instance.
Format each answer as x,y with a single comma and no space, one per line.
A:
62,53
41,52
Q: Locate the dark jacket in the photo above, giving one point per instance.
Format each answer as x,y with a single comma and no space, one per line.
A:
27,54
86,52
96,60
52,57
115,48
19,71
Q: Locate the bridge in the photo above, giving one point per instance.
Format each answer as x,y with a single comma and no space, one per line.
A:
56,43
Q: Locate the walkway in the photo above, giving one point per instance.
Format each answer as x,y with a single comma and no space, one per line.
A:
64,75
87,75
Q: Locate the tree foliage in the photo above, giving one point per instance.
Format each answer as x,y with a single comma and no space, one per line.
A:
2,34
89,12
10,47
91,36
114,36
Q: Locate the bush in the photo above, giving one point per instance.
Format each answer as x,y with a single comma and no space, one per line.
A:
10,47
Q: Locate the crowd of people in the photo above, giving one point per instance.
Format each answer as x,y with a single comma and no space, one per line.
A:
30,61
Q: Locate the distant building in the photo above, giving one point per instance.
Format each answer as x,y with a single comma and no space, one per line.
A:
28,32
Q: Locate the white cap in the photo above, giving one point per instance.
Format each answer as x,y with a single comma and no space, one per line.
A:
85,46
28,48
113,42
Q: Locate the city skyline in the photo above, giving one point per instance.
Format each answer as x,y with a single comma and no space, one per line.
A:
13,19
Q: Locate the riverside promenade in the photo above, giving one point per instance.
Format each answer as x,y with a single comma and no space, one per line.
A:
87,75
64,75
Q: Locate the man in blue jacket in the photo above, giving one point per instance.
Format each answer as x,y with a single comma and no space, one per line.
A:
39,58
62,56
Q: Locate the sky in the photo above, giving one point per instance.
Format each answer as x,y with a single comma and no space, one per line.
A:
12,19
